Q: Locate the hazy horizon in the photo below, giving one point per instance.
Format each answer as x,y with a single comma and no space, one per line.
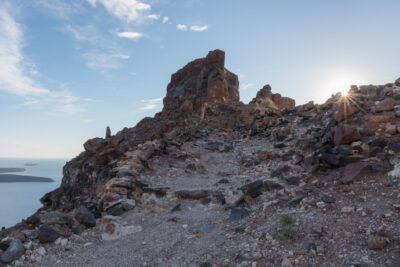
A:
68,70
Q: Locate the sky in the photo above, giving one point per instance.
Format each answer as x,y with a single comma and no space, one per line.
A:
70,68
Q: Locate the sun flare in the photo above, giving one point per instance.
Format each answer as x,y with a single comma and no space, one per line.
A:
341,83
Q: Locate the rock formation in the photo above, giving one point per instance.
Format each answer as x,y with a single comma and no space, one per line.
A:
200,81
266,99
274,172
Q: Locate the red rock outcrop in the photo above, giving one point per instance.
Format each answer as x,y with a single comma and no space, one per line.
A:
265,98
200,81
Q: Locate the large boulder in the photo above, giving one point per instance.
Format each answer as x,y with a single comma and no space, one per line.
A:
94,145
266,99
346,134
200,81
14,251
47,234
85,217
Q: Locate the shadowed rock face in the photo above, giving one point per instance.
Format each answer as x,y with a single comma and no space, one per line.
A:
200,81
266,99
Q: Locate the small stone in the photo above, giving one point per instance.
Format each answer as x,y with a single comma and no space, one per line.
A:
192,194
41,251
87,244
347,210
128,204
321,204
253,189
377,242
238,214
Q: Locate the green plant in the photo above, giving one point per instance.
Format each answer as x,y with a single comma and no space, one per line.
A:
288,232
286,219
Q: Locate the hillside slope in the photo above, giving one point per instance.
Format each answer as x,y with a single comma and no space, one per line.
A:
210,181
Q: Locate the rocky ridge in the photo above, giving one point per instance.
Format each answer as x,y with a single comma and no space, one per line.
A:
210,181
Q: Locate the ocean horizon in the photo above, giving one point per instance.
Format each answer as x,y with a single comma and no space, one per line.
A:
20,200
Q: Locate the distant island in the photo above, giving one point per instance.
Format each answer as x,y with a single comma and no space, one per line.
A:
31,164
7,170
13,178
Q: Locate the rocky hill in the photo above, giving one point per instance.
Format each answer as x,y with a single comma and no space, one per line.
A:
210,181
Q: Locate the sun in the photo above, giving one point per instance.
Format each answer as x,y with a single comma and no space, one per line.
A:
340,82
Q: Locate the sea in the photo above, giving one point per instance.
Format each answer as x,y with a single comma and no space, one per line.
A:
20,200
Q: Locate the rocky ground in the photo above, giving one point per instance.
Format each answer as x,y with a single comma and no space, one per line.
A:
220,183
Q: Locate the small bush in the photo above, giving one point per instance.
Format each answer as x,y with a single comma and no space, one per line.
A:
286,219
288,232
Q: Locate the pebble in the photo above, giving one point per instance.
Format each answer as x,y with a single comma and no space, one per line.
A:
41,251
347,210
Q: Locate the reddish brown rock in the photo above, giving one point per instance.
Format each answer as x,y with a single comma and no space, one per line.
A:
62,230
263,155
354,171
381,119
385,105
345,134
266,99
200,81
345,111
17,234
192,194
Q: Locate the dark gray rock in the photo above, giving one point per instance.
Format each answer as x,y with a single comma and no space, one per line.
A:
271,185
296,200
85,217
116,210
14,251
394,146
253,189
238,214
56,217
47,234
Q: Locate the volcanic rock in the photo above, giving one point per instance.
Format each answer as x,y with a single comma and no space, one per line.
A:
95,144
345,111
55,217
85,217
200,81
192,194
47,234
266,99
345,134
354,171
386,105
14,251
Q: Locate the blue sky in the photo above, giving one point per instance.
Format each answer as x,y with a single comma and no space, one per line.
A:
70,68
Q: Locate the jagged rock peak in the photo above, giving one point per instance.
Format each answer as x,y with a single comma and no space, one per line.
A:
266,99
200,81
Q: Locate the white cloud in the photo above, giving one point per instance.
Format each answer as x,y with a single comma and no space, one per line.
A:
246,86
60,8
153,16
198,28
181,27
241,75
165,19
150,104
102,52
14,76
126,10
130,35
13,71
104,61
